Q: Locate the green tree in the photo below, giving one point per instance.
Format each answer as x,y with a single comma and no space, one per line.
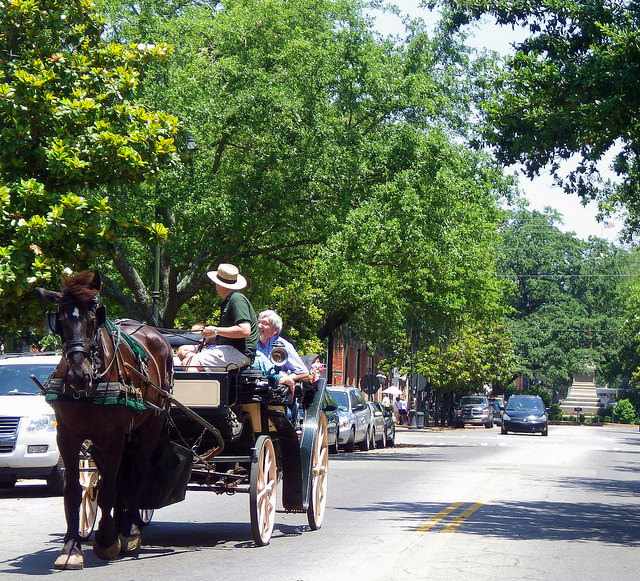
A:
568,299
624,412
71,133
306,121
568,89
476,355
420,253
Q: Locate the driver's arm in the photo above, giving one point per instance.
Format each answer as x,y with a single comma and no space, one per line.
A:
239,331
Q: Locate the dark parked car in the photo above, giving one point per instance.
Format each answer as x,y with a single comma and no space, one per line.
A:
474,410
525,413
385,425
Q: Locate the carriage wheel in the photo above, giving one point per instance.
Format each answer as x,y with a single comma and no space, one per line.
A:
90,483
145,514
319,474
263,490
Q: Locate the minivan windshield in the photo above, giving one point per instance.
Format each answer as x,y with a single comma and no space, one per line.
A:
16,379
471,400
342,399
525,404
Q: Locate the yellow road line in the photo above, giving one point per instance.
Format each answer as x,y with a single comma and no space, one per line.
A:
436,518
451,528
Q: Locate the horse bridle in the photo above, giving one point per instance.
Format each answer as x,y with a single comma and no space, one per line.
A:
89,348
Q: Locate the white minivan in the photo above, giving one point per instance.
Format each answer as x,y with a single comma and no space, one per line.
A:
28,446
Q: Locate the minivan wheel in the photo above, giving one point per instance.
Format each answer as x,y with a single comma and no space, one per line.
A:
545,432
489,425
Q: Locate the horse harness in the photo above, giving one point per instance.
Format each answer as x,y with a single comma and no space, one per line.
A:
101,389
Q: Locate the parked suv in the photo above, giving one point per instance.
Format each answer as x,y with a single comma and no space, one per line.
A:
474,410
28,446
355,416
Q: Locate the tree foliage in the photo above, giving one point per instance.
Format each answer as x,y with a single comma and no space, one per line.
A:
624,412
70,132
568,300
310,129
475,356
568,89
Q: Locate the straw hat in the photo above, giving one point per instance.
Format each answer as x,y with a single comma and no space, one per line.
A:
228,276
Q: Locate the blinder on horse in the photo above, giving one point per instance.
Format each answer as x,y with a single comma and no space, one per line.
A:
55,325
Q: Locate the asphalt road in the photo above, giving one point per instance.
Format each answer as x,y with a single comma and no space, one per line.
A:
464,504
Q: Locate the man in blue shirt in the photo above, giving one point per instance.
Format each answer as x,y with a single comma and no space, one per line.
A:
270,326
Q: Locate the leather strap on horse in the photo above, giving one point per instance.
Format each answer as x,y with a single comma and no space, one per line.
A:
138,350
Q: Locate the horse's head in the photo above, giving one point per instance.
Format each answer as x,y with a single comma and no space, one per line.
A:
77,320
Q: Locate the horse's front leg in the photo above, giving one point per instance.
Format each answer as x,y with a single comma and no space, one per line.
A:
71,555
109,458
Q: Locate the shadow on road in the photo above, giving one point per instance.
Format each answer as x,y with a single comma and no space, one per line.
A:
163,539
197,536
37,563
608,486
611,524
27,491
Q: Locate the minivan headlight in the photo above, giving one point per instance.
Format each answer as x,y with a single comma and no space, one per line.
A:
43,423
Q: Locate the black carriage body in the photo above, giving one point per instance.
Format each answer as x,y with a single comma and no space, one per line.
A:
244,398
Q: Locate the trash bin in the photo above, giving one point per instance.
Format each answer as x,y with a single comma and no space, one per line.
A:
419,419
412,419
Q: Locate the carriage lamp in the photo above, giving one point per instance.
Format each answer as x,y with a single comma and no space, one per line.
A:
45,422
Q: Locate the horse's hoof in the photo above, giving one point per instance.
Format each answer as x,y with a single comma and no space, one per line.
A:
107,553
70,558
130,545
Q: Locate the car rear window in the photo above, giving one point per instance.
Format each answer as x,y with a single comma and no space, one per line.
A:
473,401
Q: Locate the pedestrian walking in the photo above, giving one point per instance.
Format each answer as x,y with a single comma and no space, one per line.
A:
403,411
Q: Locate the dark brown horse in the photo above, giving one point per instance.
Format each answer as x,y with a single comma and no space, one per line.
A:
95,390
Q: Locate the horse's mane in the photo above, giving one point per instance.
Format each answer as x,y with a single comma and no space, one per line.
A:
78,288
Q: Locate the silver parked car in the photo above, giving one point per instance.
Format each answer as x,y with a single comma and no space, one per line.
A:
355,418
384,425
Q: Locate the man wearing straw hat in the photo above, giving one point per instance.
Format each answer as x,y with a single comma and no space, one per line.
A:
232,343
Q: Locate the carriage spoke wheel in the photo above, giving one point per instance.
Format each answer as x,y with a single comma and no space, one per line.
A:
89,481
263,491
319,474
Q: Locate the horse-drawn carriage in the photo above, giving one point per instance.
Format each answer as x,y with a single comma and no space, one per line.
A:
229,431
241,440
